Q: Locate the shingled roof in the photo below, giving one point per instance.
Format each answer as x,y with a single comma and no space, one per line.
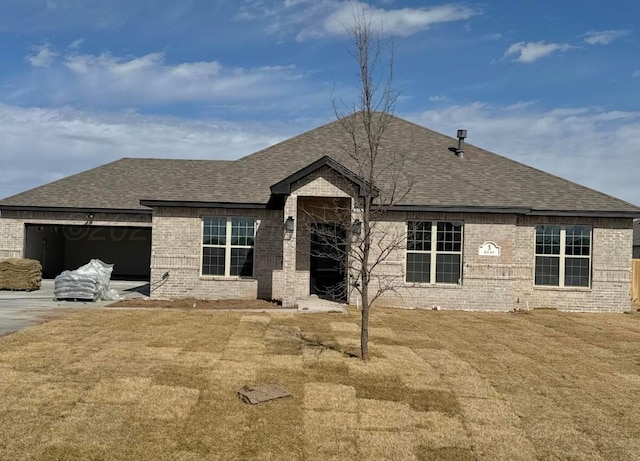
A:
115,186
480,181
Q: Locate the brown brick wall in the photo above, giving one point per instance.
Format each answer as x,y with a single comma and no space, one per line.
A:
12,225
176,248
611,267
487,281
324,182
507,282
11,238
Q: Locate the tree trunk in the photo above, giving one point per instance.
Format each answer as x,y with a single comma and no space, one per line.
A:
365,276
364,326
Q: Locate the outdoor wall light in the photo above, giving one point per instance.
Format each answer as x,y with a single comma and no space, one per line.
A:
356,227
288,224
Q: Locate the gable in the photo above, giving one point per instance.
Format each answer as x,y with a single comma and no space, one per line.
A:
324,177
323,183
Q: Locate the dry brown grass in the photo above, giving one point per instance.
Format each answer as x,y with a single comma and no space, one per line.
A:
156,385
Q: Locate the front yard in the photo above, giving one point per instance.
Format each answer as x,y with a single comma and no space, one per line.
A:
154,385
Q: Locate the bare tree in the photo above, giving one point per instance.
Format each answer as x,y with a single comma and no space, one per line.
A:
381,170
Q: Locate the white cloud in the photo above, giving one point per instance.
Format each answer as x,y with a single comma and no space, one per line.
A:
70,141
402,22
528,52
42,55
76,44
117,66
493,37
588,145
111,80
293,3
307,19
604,37
636,73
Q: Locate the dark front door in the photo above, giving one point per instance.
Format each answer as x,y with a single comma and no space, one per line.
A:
328,261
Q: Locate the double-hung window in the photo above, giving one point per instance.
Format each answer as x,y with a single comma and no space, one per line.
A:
434,252
563,256
227,246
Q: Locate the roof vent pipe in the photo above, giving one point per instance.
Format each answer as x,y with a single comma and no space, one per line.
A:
460,150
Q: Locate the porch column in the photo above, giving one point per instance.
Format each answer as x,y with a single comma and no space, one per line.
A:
289,253
353,264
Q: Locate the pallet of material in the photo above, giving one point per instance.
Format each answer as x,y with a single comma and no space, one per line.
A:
69,286
87,283
20,274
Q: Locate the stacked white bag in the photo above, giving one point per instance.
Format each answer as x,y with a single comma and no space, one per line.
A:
88,282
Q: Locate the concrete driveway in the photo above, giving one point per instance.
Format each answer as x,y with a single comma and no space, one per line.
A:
20,309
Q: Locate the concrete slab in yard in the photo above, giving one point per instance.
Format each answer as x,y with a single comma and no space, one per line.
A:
21,309
262,393
314,304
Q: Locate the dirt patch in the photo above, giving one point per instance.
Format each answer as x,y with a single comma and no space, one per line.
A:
194,303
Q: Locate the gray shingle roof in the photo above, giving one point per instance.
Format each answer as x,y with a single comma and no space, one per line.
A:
440,178
117,185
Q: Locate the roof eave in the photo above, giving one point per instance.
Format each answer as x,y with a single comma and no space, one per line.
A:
75,209
516,210
587,213
197,204
459,209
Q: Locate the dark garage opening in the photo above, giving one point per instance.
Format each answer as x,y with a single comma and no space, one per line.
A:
60,248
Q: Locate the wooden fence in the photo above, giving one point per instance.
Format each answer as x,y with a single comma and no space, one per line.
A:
635,283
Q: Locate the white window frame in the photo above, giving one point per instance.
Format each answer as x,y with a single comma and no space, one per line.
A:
433,253
227,246
562,256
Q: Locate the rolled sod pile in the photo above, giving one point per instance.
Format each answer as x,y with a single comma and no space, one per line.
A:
20,274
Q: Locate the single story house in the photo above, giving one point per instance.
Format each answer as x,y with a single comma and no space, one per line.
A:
478,231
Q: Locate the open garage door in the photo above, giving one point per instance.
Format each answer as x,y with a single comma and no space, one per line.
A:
61,248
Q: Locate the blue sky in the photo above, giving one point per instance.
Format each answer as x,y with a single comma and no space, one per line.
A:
553,84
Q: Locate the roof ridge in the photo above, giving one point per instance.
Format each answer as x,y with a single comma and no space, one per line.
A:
285,141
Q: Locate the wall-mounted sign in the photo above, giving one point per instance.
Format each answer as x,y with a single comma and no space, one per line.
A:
489,249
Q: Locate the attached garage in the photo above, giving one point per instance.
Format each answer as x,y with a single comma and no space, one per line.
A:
94,214
62,247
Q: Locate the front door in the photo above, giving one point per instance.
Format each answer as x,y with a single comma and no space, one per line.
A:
328,261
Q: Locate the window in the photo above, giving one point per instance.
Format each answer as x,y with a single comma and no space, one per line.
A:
227,246
434,245
563,256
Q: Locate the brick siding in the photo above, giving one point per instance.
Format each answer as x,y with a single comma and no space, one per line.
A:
12,225
611,267
281,260
177,249
11,238
489,283
507,282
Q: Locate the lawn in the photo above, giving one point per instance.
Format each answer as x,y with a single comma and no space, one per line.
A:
156,385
